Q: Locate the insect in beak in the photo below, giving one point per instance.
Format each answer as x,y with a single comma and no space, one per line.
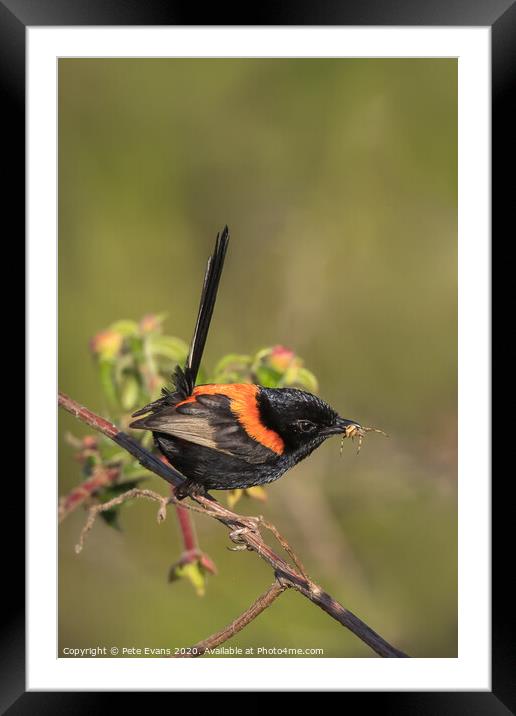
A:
358,431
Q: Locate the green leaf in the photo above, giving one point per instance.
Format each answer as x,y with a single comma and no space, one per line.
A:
112,452
107,380
129,393
268,377
126,328
233,496
135,345
232,368
233,361
169,347
263,353
111,518
194,573
135,470
108,493
228,377
122,365
256,493
306,379
147,440
89,464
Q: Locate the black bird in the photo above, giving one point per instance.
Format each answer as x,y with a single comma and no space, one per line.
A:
227,436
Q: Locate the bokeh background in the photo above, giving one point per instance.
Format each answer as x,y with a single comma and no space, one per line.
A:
338,179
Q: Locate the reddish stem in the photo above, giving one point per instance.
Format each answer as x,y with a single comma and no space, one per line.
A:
101,477
187,529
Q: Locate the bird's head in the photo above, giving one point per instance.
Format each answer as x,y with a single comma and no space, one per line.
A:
301,419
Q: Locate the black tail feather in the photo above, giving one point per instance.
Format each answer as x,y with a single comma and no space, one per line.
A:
206,306
184,378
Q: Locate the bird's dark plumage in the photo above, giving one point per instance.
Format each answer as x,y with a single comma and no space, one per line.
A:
232,435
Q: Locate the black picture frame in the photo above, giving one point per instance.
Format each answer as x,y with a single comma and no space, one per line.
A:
500,16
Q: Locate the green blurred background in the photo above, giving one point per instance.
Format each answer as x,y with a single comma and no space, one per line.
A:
338,179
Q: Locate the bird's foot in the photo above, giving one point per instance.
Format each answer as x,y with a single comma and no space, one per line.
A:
190,488
250,526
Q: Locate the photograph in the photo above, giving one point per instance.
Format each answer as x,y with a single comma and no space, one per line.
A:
257,357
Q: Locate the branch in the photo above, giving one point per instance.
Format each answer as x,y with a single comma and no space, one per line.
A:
256,608
248,533
94,510
288,549
145,458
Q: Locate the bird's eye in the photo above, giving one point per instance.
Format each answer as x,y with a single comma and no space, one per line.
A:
305,426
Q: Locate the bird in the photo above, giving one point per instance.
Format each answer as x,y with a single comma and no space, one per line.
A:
238,435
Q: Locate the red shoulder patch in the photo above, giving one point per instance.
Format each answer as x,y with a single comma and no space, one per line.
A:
244,405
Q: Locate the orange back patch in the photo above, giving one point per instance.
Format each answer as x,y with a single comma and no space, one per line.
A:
244,405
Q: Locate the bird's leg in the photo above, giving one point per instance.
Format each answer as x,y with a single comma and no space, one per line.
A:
190,488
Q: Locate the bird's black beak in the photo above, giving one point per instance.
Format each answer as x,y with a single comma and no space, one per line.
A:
340,426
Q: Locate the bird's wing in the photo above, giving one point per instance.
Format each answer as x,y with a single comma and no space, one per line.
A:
209,421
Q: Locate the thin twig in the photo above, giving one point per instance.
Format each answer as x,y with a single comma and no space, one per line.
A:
95,510
101,477
261,604
251,537
283,542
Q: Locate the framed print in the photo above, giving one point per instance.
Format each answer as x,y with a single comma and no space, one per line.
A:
331,172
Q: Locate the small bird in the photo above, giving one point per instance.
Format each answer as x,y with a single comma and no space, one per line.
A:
227,436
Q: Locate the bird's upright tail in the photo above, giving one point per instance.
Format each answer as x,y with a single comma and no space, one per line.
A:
184,378
206,306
